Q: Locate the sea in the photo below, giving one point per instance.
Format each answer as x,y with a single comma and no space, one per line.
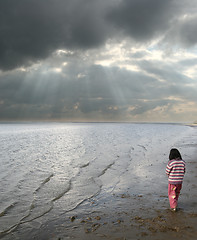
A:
48,169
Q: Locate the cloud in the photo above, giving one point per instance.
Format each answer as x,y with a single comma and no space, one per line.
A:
106,60
32,30
142,20
183,32
82,90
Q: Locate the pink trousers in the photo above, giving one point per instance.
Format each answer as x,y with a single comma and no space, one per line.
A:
173,194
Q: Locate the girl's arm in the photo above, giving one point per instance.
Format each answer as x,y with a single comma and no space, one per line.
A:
168,170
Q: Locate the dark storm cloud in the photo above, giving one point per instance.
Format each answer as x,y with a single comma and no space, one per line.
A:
182,32
188,32
63,42
30,30
143,19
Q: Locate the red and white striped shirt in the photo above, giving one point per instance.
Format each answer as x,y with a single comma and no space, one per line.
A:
175,171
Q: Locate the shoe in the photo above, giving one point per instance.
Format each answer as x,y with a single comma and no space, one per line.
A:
173,209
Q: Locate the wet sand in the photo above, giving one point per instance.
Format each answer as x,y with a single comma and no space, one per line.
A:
145,221
125,216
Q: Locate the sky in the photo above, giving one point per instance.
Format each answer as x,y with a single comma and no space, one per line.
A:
98,60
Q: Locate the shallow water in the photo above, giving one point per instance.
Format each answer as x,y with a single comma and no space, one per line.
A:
48,169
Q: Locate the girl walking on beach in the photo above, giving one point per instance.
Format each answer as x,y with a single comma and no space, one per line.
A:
175,170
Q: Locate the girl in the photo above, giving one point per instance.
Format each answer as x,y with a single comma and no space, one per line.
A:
175,170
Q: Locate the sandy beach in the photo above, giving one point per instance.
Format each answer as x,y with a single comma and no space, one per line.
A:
132,218
126,216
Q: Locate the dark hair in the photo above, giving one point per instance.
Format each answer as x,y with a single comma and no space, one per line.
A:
174,153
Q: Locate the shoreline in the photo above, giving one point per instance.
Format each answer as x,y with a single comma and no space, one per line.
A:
132,217
125,216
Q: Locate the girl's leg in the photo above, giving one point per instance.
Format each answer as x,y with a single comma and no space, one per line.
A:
172,195
177,191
